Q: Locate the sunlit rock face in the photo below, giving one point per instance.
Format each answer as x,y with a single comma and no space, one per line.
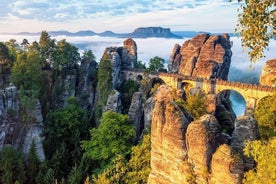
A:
199,151
225,168
168,129
205,56
268,76
202,139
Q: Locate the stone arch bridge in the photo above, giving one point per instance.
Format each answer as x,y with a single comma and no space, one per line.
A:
252,93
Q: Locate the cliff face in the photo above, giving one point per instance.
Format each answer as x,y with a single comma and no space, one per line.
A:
268,76
13,133
203,56
198,151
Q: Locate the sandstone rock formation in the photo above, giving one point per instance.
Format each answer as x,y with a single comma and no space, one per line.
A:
12,132
199,151
135,113
225,168
121,58
268,76
202,139
114,102
205,56
168,141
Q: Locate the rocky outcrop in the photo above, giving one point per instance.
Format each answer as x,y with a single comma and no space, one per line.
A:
246,129
202,139
147,32
114,102
9,104
148,108
135,113
121,58
205,56
268,76
13,132
168,129
199,151
225,168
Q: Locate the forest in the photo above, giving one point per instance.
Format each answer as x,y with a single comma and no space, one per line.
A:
82,142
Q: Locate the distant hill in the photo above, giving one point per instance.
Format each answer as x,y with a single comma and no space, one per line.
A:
142,32
157,32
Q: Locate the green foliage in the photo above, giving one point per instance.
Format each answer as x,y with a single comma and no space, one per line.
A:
32,164
127,89
140,65
195,104
104,80
116,173
265,114
11,166
156,63
264,153
26,72
256,25
75,175
65,56
113,136
64,129
139,163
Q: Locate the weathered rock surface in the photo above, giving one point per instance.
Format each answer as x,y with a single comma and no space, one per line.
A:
114,102
203,56
148,108
135,113
16,134
246,129
168,129
268,76
129,54
225,168
202,139
121,58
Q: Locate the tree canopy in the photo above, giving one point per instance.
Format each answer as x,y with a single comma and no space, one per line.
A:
113,136
156,63
256,25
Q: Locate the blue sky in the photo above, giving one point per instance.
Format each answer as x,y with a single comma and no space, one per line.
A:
116,15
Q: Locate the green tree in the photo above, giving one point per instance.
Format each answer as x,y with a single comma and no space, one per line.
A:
115,173
140,65
127,89
256,25
265,114
195,104
64,129
156,63
75,175
66,56
104,79
113,136
139,163
33,163
264,153
11,166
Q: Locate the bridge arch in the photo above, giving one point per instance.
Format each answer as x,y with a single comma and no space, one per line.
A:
233,100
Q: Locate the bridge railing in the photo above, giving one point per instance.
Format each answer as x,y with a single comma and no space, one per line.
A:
179,77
